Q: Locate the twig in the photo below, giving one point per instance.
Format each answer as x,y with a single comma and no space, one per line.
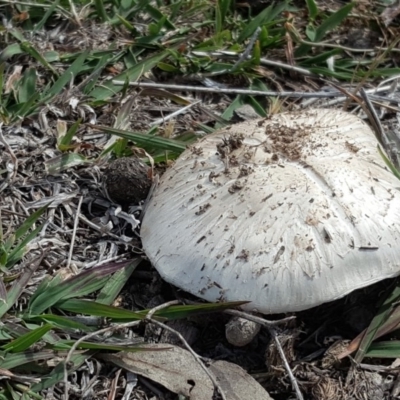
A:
10,176
349,49
263,61
71,248
378,89
246,54
293,380
104,231
86,337
174,114
374,119
149,318
230,91
185,343
258,320
270,325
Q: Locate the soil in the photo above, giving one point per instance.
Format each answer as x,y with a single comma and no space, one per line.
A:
128,180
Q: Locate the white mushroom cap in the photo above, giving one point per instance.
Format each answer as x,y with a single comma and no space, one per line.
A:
287,213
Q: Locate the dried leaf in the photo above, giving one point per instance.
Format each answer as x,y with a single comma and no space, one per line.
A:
178,371
236,383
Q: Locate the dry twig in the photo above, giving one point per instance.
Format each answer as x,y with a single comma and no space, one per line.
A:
185,343
270,325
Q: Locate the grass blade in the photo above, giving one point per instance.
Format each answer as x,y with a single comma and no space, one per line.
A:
101,11
60,322
115,284
28,48
100,310
25,341
386,349
390,165
64,161
28,223
65,141
380,318
20,284
12,360
185,311
57,374
144,140
265,16
28,85
312,9
68,75
80,285
133,74
333,21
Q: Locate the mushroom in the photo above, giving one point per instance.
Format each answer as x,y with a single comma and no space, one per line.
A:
287,213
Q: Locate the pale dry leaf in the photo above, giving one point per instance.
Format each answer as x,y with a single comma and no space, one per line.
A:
174,368
13,79
177,370
236,383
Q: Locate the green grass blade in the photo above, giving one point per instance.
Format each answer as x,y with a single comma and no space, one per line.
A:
23,110
143,140
265,16
25,341
158,16
320,58
2,68
39,26
185,311
28,48
10,51
333,21
28,85
99,310
380,318
80,285
229,112
12,360
390,165
101,11
19,285
94,76
57,375
46,283
68,75
115,284
64,161
28,223
65,141
20,249
133,74
60,322
312,9
385,349
329,24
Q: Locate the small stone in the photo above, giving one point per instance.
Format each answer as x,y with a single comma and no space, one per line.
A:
128,180
240,332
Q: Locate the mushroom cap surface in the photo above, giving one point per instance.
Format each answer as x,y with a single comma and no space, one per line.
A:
287,213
